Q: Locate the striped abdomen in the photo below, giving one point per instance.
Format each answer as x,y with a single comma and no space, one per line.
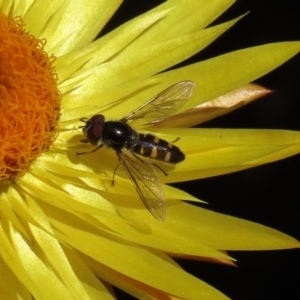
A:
154,147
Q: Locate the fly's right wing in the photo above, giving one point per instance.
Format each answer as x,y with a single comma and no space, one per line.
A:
165,104
146,183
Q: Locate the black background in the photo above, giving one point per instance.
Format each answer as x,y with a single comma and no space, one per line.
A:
269,194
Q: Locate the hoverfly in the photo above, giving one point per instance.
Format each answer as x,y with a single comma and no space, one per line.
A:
120,137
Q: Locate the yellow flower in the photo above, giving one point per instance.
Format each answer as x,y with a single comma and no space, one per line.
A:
65,232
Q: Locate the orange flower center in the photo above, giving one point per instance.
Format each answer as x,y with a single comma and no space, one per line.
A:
29,98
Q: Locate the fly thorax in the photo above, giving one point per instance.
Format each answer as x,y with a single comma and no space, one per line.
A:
134,137
116,134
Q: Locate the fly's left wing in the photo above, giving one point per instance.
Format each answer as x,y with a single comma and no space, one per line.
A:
165,104
146,183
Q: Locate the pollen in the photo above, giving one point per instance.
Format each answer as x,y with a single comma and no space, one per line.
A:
29,98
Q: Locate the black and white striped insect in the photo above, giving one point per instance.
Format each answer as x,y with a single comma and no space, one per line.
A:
130,145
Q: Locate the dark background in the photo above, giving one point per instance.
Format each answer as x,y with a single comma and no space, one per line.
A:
269,194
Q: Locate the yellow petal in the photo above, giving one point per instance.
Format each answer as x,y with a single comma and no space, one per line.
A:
118,256
139,289
125,65
225,232
64,267
28,267
39,13
193,15
15,8
9,214
198,232
70,201
10,286
94,288
79,63
140,228
69,25
211,152
217,76
151,59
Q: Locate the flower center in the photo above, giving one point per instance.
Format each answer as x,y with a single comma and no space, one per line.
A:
29,98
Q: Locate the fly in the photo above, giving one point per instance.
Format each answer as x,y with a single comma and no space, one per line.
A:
119,136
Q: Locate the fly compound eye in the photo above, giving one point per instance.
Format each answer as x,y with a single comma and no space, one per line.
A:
94,129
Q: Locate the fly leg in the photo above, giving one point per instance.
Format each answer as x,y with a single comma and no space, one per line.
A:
88,152
113,179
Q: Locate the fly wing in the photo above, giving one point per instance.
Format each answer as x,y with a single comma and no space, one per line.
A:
165,104
146,183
